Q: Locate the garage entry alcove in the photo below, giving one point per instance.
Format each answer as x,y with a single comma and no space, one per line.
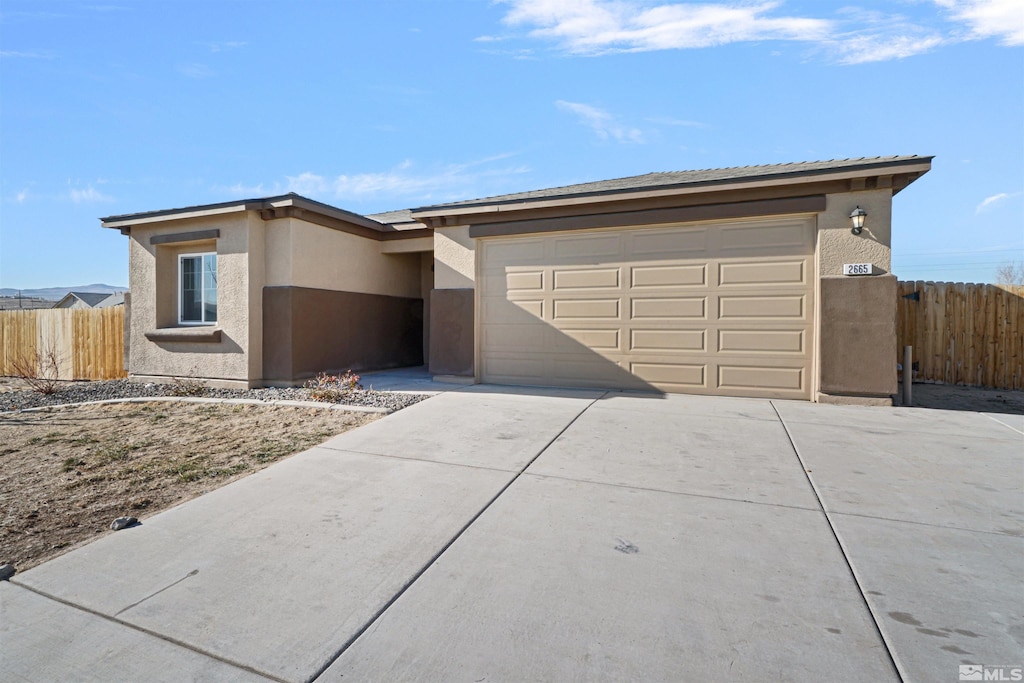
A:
705,308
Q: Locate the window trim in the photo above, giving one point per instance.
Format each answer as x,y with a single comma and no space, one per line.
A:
202,289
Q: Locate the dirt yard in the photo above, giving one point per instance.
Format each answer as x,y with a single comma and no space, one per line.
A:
66,474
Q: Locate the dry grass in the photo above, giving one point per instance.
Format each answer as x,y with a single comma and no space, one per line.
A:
65,474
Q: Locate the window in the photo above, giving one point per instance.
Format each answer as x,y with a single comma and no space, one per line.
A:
197,289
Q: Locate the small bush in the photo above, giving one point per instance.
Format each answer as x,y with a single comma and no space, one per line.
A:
39,369
187,386
333,388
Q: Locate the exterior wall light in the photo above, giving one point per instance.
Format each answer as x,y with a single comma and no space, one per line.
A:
857,218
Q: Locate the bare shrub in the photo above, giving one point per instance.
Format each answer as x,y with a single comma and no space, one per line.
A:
40,369
332,388
187,386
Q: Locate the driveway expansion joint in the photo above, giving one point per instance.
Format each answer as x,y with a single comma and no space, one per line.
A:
674,493
433,560
889,647
150,632
966,530
407,457
1008,426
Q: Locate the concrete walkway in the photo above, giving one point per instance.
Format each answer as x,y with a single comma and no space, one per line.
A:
506,534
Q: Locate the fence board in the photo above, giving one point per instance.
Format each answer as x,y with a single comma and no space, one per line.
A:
88,343
968,334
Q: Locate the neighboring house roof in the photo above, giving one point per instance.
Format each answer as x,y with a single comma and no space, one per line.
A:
90,299
686,179
112,300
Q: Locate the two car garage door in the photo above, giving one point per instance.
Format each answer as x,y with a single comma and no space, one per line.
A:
716,308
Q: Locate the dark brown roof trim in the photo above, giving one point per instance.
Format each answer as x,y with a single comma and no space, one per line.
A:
685,214
185,237
529,197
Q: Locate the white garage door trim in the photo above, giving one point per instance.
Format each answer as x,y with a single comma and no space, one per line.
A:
710,308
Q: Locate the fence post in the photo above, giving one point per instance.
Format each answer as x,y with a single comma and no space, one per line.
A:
908,375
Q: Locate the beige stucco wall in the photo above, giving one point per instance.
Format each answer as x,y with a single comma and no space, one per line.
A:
855,307
454,258
837,245
251,254
302,254
153,282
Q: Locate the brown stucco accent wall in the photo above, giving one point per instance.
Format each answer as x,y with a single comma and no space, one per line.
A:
858,336
306,331
451,332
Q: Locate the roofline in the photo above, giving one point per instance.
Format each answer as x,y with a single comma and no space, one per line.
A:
919,165
259,204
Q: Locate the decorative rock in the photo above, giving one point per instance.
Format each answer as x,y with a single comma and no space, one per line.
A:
79,392
6,571
123,523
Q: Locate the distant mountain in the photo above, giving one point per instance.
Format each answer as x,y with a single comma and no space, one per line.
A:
58,293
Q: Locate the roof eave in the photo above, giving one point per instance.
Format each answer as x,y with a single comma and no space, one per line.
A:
125,221
917,167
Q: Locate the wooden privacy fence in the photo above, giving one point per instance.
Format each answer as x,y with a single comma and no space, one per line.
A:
88,342
963,333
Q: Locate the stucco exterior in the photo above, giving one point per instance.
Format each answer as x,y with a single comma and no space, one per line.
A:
454,258
284,262
845,308
153,281
257,250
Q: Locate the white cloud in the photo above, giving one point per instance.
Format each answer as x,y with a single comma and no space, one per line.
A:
880,47
1002,19
225,45
405,183
195,70
990,202
32,54
599,26
88,195
852,36
21,196
604,124
685,123
248,191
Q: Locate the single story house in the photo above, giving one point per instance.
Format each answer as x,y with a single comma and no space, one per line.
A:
90,300
751,281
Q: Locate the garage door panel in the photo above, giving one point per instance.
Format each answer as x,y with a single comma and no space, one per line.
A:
664,243
515,251
512,337
528,280
604,278
738,307
766,239
765,273
746,377
516,368
642,340
645,277
499,311
582,247
594,309
762,341
714,309
664,308
596,339
690,376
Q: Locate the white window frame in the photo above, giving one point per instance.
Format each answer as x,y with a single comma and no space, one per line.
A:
202,288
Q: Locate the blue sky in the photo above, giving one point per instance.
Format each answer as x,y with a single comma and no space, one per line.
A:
134,106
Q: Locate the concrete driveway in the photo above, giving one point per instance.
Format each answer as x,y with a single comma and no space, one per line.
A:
498,534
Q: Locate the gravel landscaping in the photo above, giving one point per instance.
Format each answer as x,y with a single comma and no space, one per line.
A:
15,398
